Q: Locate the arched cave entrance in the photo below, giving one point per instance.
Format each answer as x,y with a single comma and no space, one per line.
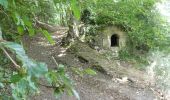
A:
114,40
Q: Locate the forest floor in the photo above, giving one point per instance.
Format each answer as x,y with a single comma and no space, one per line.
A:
98,87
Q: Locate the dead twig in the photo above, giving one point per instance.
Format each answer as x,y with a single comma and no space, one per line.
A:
47,86
7,54
1,10
55,61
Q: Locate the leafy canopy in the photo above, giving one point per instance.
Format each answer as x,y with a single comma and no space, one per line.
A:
145,27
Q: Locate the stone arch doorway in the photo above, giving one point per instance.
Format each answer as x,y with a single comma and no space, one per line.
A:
114,40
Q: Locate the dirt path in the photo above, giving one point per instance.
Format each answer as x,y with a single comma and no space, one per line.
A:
99,87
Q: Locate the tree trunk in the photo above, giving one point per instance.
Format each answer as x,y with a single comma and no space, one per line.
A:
73,32
50,28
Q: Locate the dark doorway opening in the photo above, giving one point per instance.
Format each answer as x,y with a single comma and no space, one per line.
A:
114,40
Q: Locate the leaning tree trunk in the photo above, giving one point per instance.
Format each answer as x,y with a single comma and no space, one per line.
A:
73,32
50,28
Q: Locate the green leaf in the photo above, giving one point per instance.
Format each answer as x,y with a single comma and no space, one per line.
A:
20,30
90,71
4,3
1,85
31,83
75,8
17,19
36,69
31,31
48,36
61,68
51,76
21,88
57,92
66,80
78,71
27,22
15,78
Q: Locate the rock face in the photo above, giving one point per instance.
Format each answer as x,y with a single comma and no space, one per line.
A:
135,79
96,59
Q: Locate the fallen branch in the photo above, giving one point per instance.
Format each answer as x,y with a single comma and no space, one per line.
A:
55,61
47,86
49,27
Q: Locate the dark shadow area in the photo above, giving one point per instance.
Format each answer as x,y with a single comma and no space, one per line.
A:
114,40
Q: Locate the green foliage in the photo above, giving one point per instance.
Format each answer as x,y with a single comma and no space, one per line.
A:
33,68
136,58
20,75
123,54
24,80
48,36
90,71
76,9
22,20
61,81
4,3
139,19
145,28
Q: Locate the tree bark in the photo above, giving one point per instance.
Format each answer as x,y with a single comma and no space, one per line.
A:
73,32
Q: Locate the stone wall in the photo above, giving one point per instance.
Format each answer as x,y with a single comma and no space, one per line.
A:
106,34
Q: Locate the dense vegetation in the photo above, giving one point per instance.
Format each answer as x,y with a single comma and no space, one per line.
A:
19,74
140,19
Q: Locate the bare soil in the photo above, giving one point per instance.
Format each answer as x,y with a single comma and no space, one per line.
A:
99,87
